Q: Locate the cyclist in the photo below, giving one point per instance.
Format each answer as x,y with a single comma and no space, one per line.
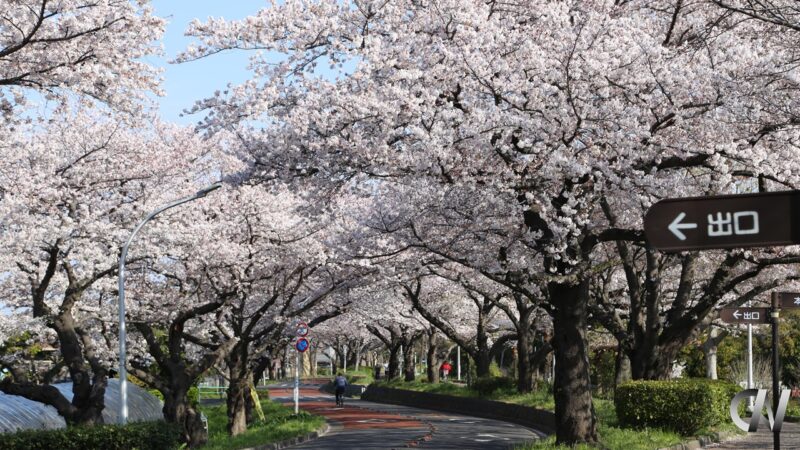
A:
339,383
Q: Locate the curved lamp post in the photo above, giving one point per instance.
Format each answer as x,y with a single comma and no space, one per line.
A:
123,376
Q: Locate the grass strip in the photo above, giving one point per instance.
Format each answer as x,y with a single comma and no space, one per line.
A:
281,423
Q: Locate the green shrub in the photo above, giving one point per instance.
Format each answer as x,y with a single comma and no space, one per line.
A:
686,406
486,386
494,370
193,394
140,436
603,373
156,393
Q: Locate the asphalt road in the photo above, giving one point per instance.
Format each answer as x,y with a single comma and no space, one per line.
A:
362,425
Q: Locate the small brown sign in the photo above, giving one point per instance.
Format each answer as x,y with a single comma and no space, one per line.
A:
725,221
745,315
789,299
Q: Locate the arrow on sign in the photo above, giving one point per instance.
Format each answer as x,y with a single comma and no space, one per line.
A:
744,315
676,226
797,300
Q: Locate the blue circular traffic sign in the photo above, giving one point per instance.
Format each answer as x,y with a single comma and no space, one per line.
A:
301,345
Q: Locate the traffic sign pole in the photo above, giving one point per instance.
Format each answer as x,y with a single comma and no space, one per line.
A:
296,383
750,361
301,330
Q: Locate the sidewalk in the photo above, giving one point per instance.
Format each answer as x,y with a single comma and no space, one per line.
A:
790,440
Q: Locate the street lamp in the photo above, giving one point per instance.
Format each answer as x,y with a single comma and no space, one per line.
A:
123,377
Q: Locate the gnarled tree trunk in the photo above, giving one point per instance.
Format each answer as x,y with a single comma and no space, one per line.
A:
238,390
432,358
575,417
88,373
408,363
178,410
393,372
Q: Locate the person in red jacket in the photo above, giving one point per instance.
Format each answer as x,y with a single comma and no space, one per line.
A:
446,368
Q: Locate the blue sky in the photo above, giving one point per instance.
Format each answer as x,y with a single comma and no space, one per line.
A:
185,83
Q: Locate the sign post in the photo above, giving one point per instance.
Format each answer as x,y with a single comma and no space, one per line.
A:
752,316
301,346
296,383
733,221
776,308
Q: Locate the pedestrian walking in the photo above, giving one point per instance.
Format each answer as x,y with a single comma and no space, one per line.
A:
446,368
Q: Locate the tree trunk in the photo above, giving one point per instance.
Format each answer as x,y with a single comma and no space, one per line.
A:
710,351
333,358
394,363
433,362
259,369
314,362
249,402
622,369
357,357
483,361
408,363
238,391
575,418
711,363
524,350
88,386
178,410
656,366
482,353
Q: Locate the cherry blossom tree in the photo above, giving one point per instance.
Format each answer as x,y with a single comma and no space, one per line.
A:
541,108
72,48
476,308
72,192
250,264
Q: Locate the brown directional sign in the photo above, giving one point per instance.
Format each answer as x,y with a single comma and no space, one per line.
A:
745,315
789,299
725,221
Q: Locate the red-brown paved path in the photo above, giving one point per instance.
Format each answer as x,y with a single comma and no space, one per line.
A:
348,417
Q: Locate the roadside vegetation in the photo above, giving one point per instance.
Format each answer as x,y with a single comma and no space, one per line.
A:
281,423
611,433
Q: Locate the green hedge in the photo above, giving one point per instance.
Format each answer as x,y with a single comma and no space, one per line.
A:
686,405
486,386
140,436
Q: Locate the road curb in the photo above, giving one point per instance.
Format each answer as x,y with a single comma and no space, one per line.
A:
322,431
704,441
